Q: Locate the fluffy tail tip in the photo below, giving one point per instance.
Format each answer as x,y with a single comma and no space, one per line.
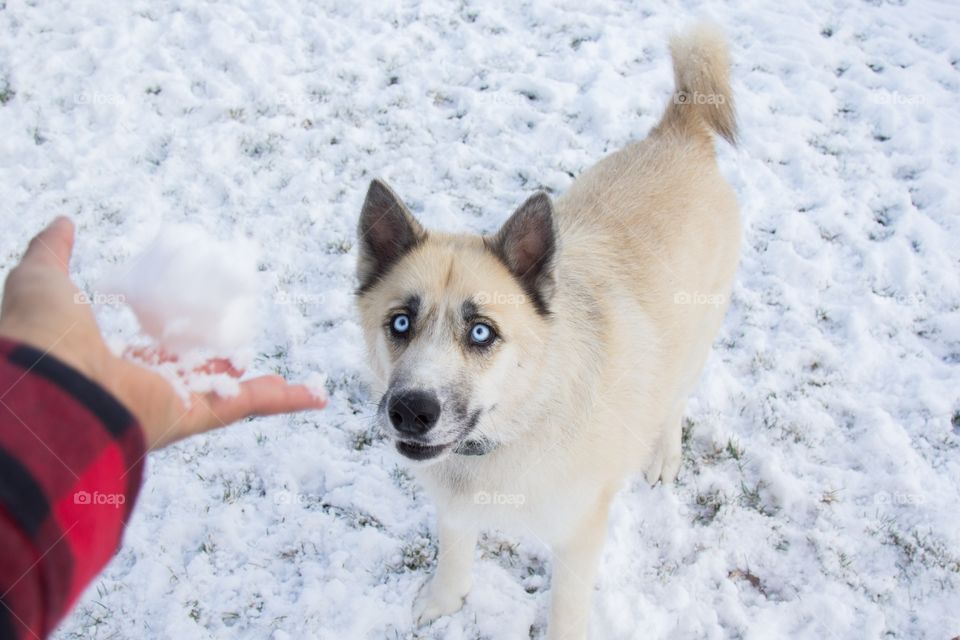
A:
701,68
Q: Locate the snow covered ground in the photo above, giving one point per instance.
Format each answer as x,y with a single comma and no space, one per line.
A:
820,487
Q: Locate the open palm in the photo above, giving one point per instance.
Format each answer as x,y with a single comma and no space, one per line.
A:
43,308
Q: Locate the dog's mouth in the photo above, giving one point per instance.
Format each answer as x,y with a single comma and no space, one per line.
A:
420,452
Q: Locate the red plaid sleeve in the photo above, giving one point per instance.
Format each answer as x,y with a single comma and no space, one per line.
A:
71,462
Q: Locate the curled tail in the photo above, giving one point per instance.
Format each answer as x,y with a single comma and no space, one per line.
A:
702,103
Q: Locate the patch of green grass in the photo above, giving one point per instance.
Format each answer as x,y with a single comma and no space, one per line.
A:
734,450
339,247
403,480
260,148
417,555
500,549
360,440
6,92
922,548
751,499
234,489
686,432
355,518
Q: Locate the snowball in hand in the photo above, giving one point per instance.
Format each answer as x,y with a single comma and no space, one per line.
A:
191,291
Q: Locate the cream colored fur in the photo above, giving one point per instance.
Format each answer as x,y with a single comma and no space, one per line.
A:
580,400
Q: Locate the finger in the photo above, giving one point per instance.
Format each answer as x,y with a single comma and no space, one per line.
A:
52,246
161,356
263,396
219,365
151,355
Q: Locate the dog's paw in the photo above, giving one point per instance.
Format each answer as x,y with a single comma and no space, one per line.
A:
435,601
654,468
671,467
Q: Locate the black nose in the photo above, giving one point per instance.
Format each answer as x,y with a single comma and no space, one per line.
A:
414,412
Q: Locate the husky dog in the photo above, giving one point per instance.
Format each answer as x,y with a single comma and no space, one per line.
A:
528,373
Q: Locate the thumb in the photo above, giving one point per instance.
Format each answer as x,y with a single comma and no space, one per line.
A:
52,246
262,396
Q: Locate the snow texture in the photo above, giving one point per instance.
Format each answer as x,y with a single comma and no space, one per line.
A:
818,495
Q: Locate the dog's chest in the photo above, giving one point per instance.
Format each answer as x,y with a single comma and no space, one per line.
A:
534,505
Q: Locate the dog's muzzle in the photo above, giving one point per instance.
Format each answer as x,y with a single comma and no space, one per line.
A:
414,413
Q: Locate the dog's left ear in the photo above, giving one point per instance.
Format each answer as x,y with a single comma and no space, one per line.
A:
527,245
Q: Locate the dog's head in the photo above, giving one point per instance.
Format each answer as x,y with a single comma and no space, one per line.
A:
455,324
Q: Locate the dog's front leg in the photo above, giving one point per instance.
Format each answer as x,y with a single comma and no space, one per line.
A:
574,572
444,592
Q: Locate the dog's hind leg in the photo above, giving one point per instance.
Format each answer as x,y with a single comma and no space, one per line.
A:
444,593
655,466
671,445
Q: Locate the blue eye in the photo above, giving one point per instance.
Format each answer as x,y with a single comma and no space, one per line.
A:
481,334
400,324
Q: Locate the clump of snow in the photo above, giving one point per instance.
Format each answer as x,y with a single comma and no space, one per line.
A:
316,382
190,375
192,291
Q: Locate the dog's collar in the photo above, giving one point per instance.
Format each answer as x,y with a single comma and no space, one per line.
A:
479,447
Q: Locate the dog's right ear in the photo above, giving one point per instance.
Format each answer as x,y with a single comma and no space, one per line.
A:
387,230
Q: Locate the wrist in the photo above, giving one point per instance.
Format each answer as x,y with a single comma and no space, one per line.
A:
65,348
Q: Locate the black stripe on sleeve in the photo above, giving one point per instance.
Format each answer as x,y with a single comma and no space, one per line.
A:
113,415
20,494
6,622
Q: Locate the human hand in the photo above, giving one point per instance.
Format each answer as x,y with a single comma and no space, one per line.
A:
43,308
